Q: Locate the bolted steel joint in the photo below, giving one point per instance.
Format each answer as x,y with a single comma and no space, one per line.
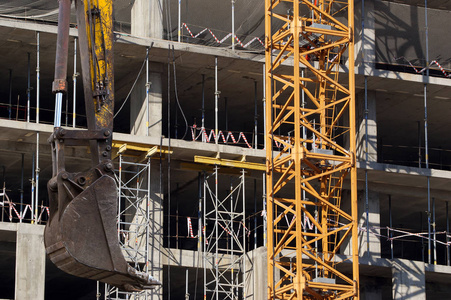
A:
107,133
108,167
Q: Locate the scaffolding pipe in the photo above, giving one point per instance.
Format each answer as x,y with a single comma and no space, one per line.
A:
147,92
233,24
204,232
180,21
177,218
32,188
28,86
37,170
149,166
74,79
216,233
38,97
391,226
21,188
419,144
446,236
232,233
203,107
169,198
243,246
434,230
426,130
199,231
10,93
186,272
38,77
255,116
255,213
216,100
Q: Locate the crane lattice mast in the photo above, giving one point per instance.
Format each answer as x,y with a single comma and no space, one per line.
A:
310,152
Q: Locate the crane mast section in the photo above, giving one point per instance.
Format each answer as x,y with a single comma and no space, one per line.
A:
310,153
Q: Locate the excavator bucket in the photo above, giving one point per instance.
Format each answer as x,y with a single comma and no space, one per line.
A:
81,237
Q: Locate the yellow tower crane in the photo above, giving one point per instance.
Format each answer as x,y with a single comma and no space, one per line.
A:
310,150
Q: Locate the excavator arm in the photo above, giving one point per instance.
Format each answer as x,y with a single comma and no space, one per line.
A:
81,236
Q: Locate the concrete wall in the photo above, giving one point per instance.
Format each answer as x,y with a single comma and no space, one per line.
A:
400,31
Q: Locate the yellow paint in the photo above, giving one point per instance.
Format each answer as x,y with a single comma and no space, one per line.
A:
230,163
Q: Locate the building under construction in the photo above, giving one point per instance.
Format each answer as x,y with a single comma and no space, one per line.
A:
238,178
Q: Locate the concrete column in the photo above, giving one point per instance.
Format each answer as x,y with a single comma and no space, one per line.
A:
147,21
147,18
30,262
256,285
372,127
156,231
408,279
138,105
374,221
366,55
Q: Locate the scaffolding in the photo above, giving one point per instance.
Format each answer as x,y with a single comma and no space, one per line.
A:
133,221
225,235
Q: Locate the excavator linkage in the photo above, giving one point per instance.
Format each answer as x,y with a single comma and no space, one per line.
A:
81,236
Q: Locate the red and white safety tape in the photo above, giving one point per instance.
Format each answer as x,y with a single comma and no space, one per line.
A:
213,137
225,229
224,38
205,235
190,227
434,62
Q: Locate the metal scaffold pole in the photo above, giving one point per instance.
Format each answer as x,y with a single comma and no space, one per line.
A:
310,150
426,144
216,101
225,236
28,86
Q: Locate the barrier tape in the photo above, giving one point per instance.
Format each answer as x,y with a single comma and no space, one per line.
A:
21,216
218,41
225,229
190,228
245,228
204,233
213,137
434,62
